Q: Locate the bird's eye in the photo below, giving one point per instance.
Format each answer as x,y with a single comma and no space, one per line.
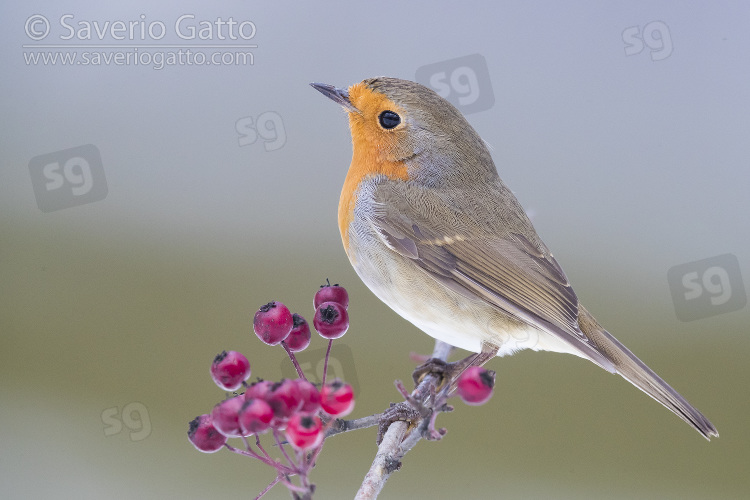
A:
389,119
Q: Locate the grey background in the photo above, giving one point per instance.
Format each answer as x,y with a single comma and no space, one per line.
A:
629,166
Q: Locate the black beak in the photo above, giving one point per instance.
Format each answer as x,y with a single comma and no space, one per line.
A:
339,96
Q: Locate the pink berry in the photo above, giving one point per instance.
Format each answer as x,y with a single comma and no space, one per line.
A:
304,432
475,385
230,369
331,320
309,396
225,416
273,322
204,435
284,399
255,416
299,338
337,398
331,293
259,389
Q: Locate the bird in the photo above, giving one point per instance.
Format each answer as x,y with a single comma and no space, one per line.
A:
433,232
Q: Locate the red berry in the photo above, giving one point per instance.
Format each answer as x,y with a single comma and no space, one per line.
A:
255,416
284,399
331,293
299,338
230,369
309,396
337,398
259,389
225,416
204,435
272,323
475,385
331,320
304,432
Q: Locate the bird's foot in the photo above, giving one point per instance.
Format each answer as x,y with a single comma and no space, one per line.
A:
447,373
423,405
433,366
404,411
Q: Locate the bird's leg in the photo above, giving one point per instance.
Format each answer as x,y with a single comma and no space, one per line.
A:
433,365
429,398
449,372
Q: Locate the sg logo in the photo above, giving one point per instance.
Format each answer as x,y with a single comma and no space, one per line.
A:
464,82
268,126
655,36
134,416
340,365
67,178
707,287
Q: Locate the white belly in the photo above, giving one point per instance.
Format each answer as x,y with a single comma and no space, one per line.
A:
440,312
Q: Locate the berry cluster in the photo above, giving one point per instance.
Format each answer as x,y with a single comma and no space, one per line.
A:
294,407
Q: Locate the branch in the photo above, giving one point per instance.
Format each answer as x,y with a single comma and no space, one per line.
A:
340,425
386,461
396,442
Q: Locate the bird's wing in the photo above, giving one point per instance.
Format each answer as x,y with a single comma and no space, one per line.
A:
507,271
522,279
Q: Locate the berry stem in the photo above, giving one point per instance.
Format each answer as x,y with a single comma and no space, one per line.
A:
268,488
294,361
285,481
325,365
283,450
270,462
299,455
260,447
418,358
313,457
402,389
247,444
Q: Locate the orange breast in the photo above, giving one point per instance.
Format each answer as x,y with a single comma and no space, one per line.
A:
366,163
372,146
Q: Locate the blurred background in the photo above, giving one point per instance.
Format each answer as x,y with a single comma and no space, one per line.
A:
164,176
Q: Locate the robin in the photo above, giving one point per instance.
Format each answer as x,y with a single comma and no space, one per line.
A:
432,230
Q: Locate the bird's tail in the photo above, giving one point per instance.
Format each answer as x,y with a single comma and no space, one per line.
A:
637,373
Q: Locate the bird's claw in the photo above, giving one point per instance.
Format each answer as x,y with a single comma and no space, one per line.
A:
431,366
403,411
